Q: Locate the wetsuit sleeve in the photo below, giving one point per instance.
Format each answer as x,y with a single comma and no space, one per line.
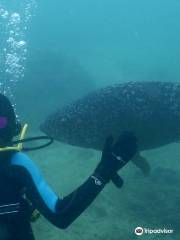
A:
59,211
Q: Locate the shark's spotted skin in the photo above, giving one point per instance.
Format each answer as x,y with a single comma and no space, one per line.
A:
150,109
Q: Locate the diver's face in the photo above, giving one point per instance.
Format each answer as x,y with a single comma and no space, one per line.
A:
4,131
3,122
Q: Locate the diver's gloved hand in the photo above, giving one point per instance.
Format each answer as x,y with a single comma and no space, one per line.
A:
115,156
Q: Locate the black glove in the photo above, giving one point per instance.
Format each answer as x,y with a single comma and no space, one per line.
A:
115,156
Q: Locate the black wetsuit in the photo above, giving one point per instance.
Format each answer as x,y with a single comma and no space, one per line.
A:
18,177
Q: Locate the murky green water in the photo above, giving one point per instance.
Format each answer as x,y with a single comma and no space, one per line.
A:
53,52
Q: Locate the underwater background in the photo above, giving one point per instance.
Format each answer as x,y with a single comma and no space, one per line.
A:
53,52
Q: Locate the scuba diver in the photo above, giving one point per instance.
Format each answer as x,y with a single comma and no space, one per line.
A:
23,189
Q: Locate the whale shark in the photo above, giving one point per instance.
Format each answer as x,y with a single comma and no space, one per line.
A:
150,109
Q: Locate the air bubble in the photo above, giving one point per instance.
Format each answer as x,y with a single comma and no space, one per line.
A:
14,24
15,18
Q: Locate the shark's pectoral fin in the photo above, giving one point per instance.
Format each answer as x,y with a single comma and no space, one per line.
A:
142,163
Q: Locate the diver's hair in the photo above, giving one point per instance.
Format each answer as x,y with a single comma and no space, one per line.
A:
7,110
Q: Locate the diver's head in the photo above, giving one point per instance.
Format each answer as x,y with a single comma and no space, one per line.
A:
9,126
